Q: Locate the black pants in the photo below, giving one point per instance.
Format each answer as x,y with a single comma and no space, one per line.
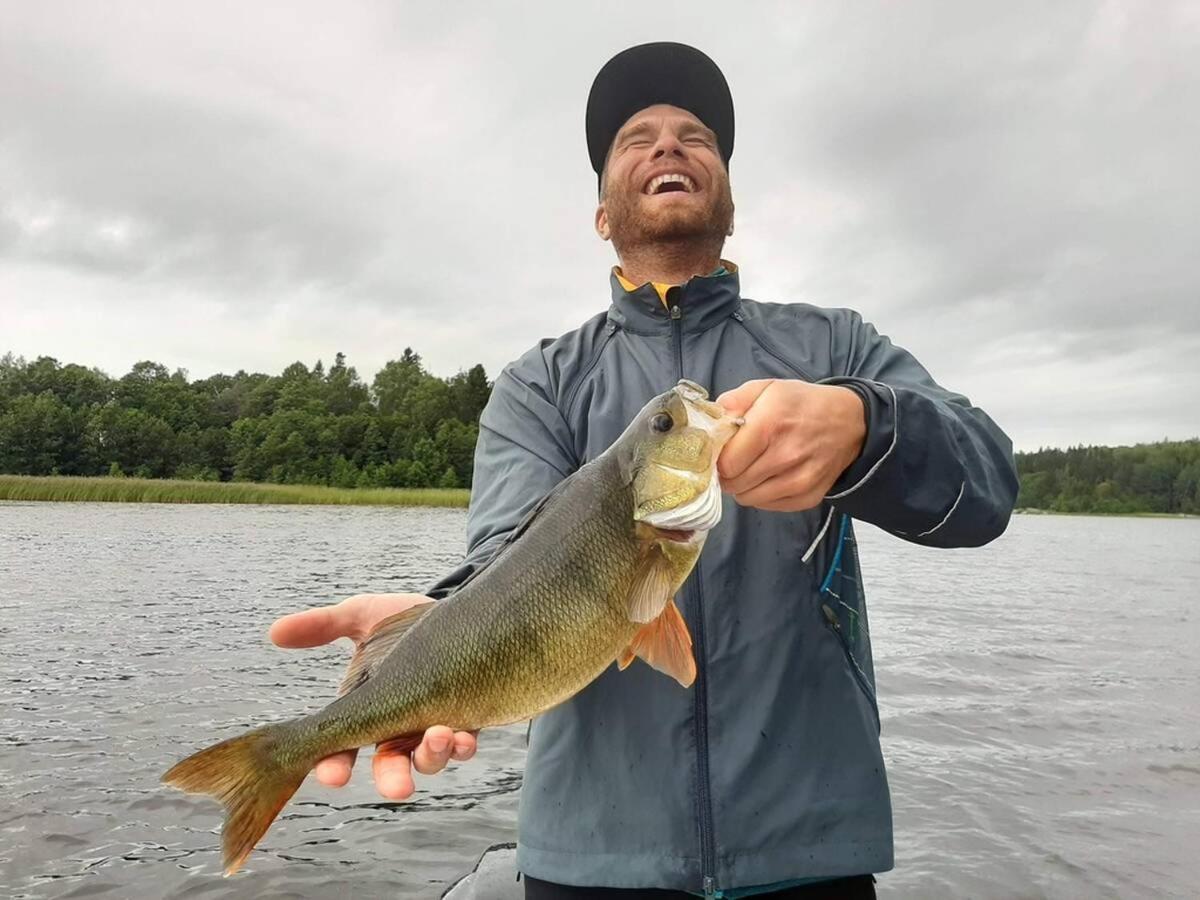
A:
860,887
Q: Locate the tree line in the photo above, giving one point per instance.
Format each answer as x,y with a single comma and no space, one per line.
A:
408,428
1160,478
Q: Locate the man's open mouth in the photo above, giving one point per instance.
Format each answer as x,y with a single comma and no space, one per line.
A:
670,182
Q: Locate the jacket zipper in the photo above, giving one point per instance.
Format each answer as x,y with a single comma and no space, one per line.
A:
704,800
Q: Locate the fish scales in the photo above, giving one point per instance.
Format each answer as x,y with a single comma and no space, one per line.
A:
501,651
588,579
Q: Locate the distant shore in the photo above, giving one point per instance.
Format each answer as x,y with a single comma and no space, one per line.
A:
66,488
1029,511
152,490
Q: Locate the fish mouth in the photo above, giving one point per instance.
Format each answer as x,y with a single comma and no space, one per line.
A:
688,481
707,414
703,511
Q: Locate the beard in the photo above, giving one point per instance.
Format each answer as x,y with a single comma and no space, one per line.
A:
632,225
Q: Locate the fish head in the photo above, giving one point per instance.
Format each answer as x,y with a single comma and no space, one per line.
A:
672,447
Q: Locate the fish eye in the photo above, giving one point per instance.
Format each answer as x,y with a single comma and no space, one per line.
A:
662,423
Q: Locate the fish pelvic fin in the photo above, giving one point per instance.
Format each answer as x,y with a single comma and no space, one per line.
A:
378,643
245,775
664,644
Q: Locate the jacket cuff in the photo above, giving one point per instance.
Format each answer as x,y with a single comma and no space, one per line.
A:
879,408
448,584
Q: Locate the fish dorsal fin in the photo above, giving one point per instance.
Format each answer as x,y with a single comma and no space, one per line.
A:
375,647
664,644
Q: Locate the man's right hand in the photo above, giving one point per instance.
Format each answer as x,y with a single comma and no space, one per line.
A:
354,618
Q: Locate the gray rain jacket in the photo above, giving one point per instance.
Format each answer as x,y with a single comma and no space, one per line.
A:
769,768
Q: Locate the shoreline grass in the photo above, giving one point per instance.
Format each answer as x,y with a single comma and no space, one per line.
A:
1034,511
67,488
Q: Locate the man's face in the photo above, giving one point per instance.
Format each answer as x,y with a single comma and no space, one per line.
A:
664,181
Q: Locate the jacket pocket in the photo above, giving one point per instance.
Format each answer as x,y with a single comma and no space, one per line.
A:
834,624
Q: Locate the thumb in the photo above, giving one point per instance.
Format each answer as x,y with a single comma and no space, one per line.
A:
740,399
313,627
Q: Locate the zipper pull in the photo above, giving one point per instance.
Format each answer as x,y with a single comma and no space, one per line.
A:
676,312
831,617
710,889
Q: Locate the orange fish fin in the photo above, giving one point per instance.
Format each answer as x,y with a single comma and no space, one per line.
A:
652,588
666,645
624,658
375,647
245,776
401,744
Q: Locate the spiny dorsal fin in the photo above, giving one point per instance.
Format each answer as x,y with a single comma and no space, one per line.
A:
378,644
666,645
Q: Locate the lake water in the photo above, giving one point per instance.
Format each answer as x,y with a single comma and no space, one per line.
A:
1040,701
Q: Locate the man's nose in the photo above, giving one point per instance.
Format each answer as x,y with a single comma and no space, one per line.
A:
668,145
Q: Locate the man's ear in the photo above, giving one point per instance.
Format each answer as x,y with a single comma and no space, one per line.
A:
602,223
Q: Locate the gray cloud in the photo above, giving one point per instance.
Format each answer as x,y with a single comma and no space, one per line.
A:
1006,190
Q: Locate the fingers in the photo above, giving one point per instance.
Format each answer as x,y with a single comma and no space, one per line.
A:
334,771
768,464
434,751
440,746
750,443
789,491
752,439
465,744
393,773
740,399
393,768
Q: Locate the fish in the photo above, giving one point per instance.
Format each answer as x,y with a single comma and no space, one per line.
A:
586,579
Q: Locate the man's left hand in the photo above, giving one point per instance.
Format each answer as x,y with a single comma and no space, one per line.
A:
797,441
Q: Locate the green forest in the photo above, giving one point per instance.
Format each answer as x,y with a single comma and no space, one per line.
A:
313,426
1149,478
408,428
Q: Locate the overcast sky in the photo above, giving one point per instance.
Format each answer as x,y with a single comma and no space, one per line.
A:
1010,190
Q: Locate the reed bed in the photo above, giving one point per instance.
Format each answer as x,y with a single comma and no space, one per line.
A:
153,490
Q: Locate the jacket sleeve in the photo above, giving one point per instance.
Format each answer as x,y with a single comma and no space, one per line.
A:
524,449
934,469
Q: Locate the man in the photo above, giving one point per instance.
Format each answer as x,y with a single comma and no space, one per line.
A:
766,777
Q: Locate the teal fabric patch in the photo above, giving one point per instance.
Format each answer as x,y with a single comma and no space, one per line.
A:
736,893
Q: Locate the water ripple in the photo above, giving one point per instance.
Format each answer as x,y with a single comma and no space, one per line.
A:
1038,701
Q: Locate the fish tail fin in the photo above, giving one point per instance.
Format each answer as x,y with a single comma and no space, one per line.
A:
245,774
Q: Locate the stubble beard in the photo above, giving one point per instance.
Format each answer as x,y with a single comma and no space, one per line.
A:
632,228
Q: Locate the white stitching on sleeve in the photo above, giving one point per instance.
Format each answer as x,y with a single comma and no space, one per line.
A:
961,491
879,462
821,534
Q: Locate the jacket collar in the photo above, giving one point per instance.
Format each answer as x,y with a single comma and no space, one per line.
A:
703,301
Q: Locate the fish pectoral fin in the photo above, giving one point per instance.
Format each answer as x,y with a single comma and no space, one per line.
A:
375,647
624,658
666,645
652,586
